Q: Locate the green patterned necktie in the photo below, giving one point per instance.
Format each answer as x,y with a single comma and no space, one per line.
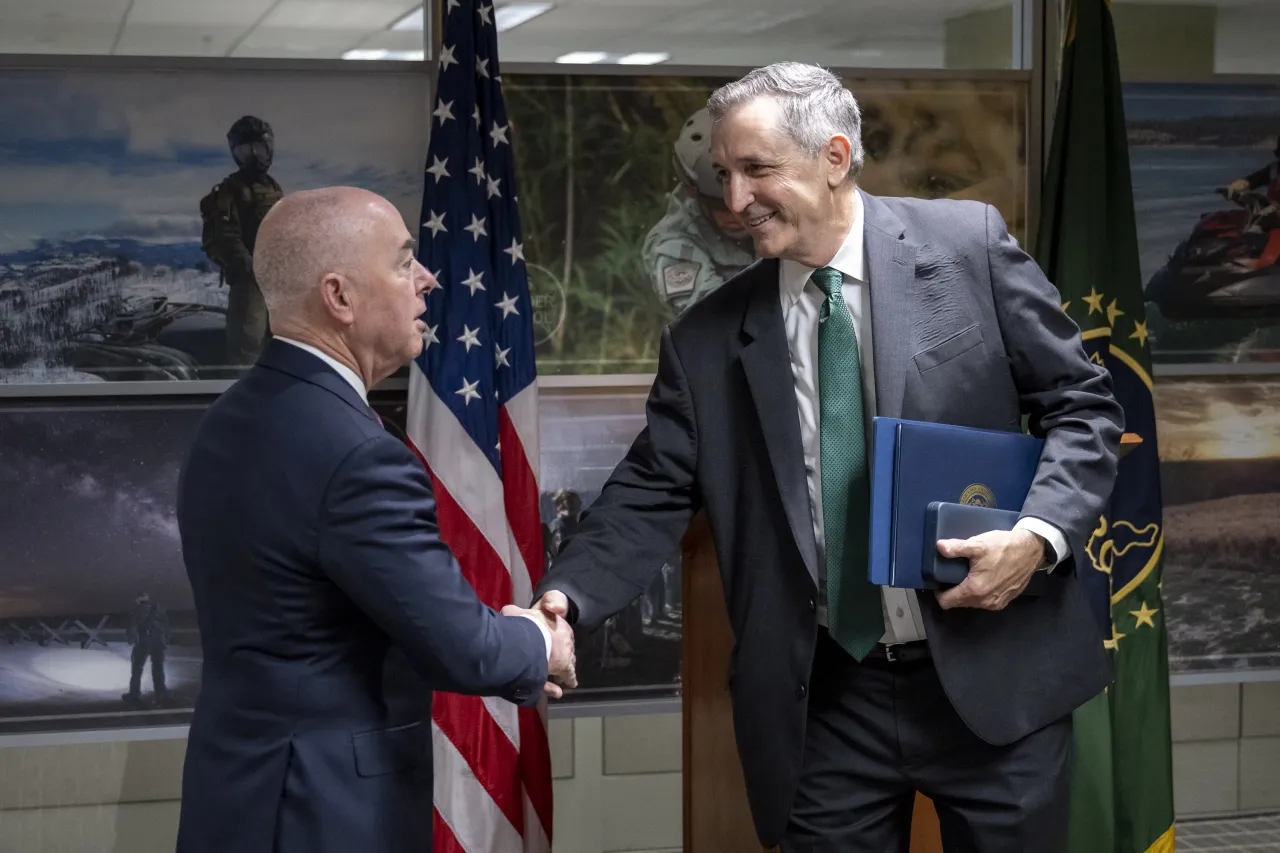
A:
854,615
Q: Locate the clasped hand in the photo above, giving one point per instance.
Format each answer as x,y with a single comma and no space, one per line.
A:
553,611
1001,563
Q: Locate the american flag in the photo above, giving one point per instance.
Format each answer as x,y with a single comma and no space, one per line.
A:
473,419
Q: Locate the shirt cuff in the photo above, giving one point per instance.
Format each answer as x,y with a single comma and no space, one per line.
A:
1055,542
546,632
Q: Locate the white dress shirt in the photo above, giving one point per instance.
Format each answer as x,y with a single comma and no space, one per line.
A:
801,302
341,369
355,382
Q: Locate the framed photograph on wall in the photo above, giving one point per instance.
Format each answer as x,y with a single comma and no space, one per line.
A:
624,226
1220,481
97,624
1205,161
132,199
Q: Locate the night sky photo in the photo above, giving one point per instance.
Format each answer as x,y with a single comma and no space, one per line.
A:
88,522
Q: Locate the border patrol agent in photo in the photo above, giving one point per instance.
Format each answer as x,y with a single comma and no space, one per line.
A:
231,213
698,244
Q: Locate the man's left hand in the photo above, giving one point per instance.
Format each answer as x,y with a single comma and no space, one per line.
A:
1001,563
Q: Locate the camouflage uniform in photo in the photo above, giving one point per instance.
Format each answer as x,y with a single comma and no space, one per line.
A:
687,257
685,254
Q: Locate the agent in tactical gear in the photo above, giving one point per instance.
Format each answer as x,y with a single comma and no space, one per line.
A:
232,212
698,244
149,635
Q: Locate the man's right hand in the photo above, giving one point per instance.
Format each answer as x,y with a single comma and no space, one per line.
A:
563,661
554,603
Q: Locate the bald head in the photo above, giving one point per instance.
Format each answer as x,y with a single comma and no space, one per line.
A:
337,270
309,235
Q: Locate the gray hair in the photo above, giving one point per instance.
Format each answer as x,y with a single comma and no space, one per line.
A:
815,106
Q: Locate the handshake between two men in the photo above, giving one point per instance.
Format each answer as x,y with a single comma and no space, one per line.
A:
552,611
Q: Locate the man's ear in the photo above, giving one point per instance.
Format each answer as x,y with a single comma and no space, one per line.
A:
335,291
838,157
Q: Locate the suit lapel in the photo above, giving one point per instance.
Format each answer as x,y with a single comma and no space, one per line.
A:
891,263
766,360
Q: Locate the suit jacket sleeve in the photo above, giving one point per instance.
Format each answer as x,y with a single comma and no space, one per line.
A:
379,542
1068,398
637,522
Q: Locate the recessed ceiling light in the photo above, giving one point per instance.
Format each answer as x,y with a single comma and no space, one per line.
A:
379,53
511,15
582,57
643,58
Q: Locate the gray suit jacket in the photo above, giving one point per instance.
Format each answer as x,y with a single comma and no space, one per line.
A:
966,331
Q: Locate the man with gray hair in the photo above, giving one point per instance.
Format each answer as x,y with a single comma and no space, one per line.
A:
848,698
329,607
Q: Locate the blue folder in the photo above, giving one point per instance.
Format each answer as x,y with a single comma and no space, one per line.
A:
914,464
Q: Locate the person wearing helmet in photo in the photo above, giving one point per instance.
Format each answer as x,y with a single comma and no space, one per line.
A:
231,213
1267,178
698,243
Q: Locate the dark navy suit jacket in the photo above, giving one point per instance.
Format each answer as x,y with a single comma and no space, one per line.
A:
329,609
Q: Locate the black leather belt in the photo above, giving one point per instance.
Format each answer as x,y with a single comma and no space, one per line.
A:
913,652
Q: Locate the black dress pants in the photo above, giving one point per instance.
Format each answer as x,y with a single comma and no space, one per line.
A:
880,730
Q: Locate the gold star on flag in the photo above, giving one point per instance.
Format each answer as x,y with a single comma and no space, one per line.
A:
1116,637
1140,332
1112,313
1095,301
1065,305
1144,615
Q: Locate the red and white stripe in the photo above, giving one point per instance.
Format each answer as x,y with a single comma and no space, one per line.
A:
492,761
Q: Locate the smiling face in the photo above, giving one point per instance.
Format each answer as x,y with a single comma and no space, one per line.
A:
794,205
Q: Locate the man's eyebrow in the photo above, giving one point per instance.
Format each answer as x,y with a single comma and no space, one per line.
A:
409,245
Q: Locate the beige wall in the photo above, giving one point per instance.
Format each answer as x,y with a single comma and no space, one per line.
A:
1173,41
617,779
1226,750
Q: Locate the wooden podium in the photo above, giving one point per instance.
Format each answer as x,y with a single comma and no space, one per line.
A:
716,819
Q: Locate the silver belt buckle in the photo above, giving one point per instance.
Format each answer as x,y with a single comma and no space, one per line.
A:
888,652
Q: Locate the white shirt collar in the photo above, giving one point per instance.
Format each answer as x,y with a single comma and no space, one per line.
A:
850,259
341,369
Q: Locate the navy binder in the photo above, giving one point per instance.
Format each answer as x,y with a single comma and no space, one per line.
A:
914,464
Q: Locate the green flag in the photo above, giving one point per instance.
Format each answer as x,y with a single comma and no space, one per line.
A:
1122,787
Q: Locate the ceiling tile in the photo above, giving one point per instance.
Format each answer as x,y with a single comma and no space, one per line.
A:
299,43
153,40
198,14
368,15
84,38
61,11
